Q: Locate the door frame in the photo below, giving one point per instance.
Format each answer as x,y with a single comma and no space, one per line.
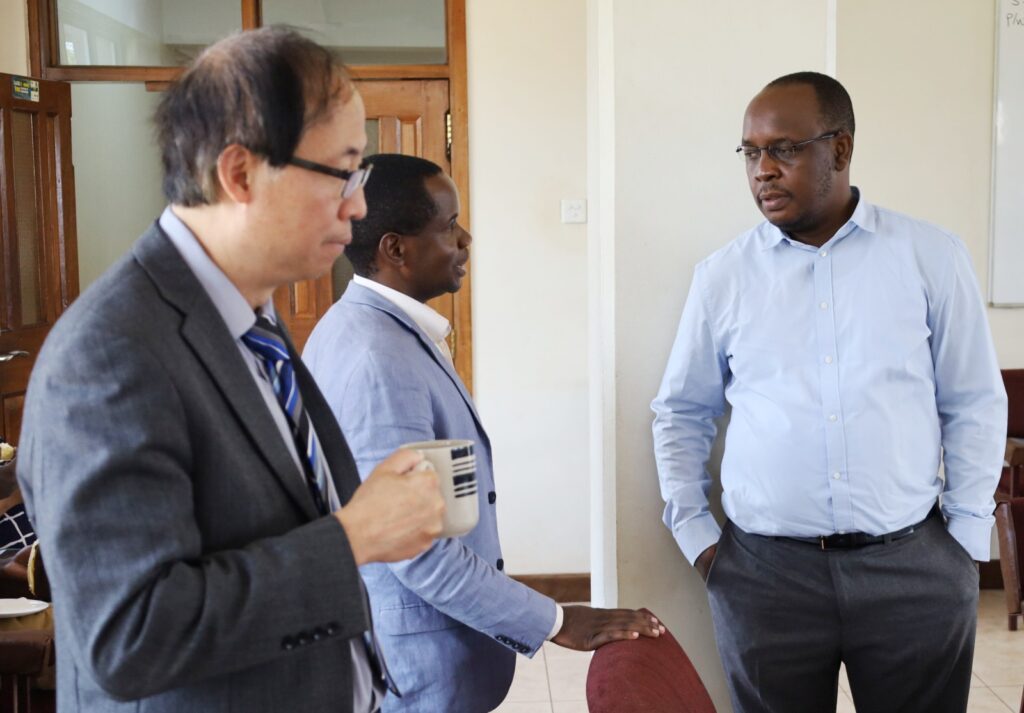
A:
44,59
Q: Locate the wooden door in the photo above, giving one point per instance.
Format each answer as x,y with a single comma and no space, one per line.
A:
39,272
408,117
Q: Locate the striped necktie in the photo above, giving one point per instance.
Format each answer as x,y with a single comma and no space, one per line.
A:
267,343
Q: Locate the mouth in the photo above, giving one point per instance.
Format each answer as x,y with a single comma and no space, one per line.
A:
340,242
460,269
772,200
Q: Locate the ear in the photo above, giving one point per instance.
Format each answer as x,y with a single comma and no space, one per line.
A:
843,152
235,171
391,250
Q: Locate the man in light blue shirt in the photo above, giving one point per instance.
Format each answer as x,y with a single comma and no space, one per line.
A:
851,344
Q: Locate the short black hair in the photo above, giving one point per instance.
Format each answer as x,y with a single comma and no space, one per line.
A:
260,89
397,201
834,101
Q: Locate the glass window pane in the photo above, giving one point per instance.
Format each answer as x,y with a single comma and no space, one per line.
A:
368,31
26,213
117,170
142,33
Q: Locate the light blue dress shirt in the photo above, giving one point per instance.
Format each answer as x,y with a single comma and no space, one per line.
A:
851,371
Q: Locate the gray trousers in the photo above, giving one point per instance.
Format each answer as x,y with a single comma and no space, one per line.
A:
901,616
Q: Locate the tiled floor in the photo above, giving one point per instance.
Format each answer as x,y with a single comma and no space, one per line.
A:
554,681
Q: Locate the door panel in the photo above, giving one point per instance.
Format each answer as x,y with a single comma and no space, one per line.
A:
39,275
408,117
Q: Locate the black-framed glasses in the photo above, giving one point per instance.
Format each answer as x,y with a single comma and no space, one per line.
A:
354,180
783,151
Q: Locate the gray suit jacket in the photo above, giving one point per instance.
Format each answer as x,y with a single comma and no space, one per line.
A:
190,570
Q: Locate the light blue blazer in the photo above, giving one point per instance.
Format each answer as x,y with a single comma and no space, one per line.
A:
449,621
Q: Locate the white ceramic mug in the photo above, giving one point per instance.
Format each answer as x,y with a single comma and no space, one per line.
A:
455,464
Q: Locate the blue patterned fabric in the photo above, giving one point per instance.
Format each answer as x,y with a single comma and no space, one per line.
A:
266,342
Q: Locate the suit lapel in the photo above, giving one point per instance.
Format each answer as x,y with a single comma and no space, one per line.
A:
204,331
357,294
340,462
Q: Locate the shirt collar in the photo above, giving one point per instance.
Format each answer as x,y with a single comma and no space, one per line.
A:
864,216
233,308
426,318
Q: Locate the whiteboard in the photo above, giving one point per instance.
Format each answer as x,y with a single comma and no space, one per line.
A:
1006,274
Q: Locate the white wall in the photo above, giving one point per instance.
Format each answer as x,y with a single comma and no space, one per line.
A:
14,37
527,142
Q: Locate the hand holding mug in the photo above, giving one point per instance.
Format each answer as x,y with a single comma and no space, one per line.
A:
396,513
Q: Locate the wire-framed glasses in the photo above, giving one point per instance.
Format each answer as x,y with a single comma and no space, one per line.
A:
354,180
783,151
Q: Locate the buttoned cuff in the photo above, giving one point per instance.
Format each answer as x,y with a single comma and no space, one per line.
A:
696,535
974,535
559,616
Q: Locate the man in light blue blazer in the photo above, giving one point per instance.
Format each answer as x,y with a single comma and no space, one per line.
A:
450,621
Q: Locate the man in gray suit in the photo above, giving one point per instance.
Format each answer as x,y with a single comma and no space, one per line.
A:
200,514
451,621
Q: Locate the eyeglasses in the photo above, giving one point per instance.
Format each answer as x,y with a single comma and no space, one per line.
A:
354,180
783,152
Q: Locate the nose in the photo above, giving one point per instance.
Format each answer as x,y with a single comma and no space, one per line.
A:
765,168
464,237
353,207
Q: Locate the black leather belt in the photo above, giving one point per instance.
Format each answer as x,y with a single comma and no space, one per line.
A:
853,540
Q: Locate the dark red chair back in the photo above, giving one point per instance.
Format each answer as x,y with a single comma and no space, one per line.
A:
1011,480
645,676
1013,380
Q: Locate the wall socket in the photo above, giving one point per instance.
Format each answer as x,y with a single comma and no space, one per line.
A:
574,211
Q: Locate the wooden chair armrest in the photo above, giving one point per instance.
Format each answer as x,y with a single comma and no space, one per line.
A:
1014,454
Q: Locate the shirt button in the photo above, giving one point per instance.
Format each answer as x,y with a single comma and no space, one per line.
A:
836,476
824,305
824,253
491,497
832,417
828,360
501,564
287,643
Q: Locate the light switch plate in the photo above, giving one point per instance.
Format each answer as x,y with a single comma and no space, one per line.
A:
574,211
